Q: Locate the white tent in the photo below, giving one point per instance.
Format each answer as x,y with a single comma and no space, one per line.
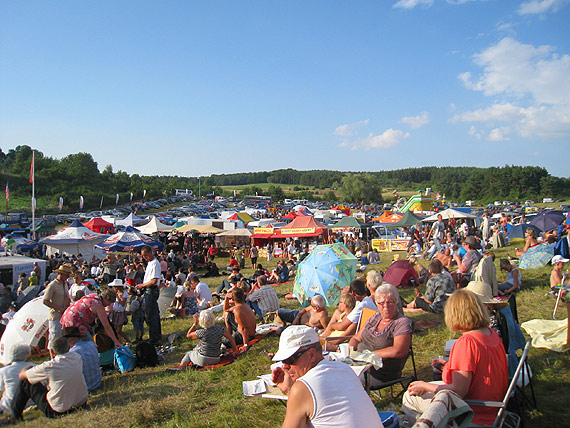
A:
236,232
154,226
447,214
28,326
130,220
75,239
19,264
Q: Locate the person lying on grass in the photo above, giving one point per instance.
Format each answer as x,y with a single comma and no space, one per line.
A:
207,351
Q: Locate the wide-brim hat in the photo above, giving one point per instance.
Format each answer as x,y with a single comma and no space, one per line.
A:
472,242
294,338
72,332
116,283
64,269
484,293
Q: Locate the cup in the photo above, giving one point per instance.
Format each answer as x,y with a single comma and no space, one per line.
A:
344,349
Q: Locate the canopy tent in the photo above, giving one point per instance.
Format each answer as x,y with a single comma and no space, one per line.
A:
236,232
154,226
130,220
447,214
239,237
129,239
325,271
342,208
178,224
100,225
242,216
19,244
388,217
75,239
301,227
29,326
409,219
349,223
200,228
290,215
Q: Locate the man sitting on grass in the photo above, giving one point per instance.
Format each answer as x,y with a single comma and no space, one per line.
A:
315,315
239,317
438,288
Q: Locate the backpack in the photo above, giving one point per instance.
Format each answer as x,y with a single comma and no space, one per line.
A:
124,359
146,355
133,305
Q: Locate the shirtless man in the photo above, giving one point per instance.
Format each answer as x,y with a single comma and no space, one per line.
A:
314,315
239,316
556,275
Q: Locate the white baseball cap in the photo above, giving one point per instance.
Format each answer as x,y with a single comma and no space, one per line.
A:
294,338
559,259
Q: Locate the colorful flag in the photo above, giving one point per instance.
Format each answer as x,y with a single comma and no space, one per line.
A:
81,202
60,204
32,167
7,192
437,196
117,199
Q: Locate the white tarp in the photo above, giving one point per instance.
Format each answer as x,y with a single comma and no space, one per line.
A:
154,226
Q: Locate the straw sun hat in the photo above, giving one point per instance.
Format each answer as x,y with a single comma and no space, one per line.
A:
485,294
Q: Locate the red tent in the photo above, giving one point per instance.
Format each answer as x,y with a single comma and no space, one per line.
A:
342,208
99,225
301,227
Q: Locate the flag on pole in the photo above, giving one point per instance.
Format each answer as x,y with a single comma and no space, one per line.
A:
32,167
7,192
117,199
60,204
437,196
81,202
131,196
144,193
101,204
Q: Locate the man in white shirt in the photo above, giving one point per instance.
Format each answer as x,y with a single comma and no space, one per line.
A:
202,291
320,393
150,285
66,389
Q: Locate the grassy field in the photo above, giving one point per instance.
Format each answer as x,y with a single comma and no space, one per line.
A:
152,398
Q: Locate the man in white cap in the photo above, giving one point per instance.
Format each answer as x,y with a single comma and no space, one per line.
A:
324,393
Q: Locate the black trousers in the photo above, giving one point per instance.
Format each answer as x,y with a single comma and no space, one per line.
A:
38,393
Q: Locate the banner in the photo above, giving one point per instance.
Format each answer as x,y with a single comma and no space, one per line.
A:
81,202
300,231
101,204
60,203
131,196
144,193
32,167
262,230
117,199
7,192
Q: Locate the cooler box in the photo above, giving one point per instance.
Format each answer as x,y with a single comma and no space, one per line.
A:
389,419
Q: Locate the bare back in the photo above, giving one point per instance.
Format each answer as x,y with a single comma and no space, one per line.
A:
245,318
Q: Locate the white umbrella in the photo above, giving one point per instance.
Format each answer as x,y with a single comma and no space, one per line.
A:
28,326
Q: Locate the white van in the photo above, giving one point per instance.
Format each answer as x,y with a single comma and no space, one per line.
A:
547,200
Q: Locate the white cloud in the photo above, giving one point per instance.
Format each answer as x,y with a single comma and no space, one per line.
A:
533,7
473,132
416,121
535,121
349,129
389,138
516,69
536,77
498,134
410,4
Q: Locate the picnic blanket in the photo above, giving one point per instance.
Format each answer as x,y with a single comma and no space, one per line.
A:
445,410
549,334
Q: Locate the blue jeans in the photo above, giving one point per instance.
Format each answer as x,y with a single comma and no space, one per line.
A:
255,307
152,314
287,315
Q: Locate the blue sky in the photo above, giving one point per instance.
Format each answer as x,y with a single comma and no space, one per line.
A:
198,88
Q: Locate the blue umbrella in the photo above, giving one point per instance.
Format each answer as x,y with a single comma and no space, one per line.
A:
325,271
548,220
536,257
129,239
519,230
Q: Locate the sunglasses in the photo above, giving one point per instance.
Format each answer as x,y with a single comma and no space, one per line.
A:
293,358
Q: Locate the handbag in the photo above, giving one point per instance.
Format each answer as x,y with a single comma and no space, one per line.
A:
124,359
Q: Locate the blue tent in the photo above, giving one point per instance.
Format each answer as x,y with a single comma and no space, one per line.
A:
129,239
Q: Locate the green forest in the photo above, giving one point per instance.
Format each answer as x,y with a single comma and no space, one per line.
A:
79,175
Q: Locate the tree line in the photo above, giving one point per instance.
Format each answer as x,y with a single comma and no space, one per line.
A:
78,175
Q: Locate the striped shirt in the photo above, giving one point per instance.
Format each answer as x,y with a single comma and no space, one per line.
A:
90,359
266,298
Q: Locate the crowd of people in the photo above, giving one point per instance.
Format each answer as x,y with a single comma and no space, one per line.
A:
86,298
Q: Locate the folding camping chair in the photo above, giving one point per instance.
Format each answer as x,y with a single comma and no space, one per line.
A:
366,314
504,417
403,381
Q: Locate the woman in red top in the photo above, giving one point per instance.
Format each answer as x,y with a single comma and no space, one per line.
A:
477,367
